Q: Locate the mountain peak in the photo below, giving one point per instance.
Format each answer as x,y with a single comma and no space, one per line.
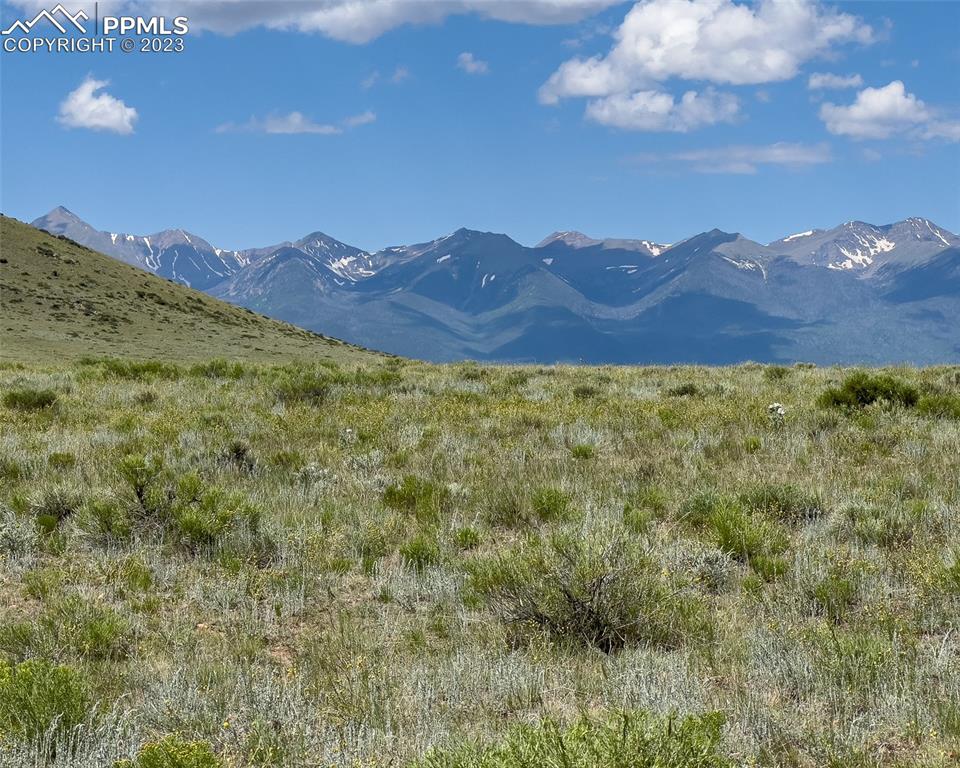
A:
568,237
60,215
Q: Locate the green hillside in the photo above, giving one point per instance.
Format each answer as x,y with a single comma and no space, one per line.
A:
60,300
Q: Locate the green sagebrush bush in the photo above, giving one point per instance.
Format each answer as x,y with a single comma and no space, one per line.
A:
202,514
861,389
29,399
604,594
626,740
173,751
38,698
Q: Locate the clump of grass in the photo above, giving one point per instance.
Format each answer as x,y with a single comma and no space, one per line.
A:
624,740
73,626
585,391
39,698
787,503
687,389
421,552
419,496
240,456
749,538
140,370
30,399
836,593
53,506
776,372
173,751
105,519
467,538
583,451
861,389
940,405
888,527
600,594
550,504
218,368
697,510
303,387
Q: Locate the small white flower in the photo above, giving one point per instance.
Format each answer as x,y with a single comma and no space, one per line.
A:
777,411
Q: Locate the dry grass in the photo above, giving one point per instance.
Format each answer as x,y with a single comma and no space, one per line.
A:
320,566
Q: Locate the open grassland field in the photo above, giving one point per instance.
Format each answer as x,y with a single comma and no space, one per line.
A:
398,564
59,300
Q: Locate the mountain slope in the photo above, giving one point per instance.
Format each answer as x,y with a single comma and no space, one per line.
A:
866,248
61,300
172,253
854,293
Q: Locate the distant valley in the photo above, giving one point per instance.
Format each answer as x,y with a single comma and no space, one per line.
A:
854,293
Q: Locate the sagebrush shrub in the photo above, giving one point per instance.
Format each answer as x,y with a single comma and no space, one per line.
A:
201,515
861,389
106,519
173,751
623,740
38,698
28,399
604,594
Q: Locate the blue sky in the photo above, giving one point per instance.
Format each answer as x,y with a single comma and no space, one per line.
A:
401,125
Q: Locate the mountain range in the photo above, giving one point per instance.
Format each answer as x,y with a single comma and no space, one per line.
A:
854,293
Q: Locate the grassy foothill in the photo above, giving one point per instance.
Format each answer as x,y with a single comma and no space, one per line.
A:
388,563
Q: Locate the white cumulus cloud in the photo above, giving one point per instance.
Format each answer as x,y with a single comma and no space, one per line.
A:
876,113
471,64
718,41
657,111
714,41
90,107
824,80
355,21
